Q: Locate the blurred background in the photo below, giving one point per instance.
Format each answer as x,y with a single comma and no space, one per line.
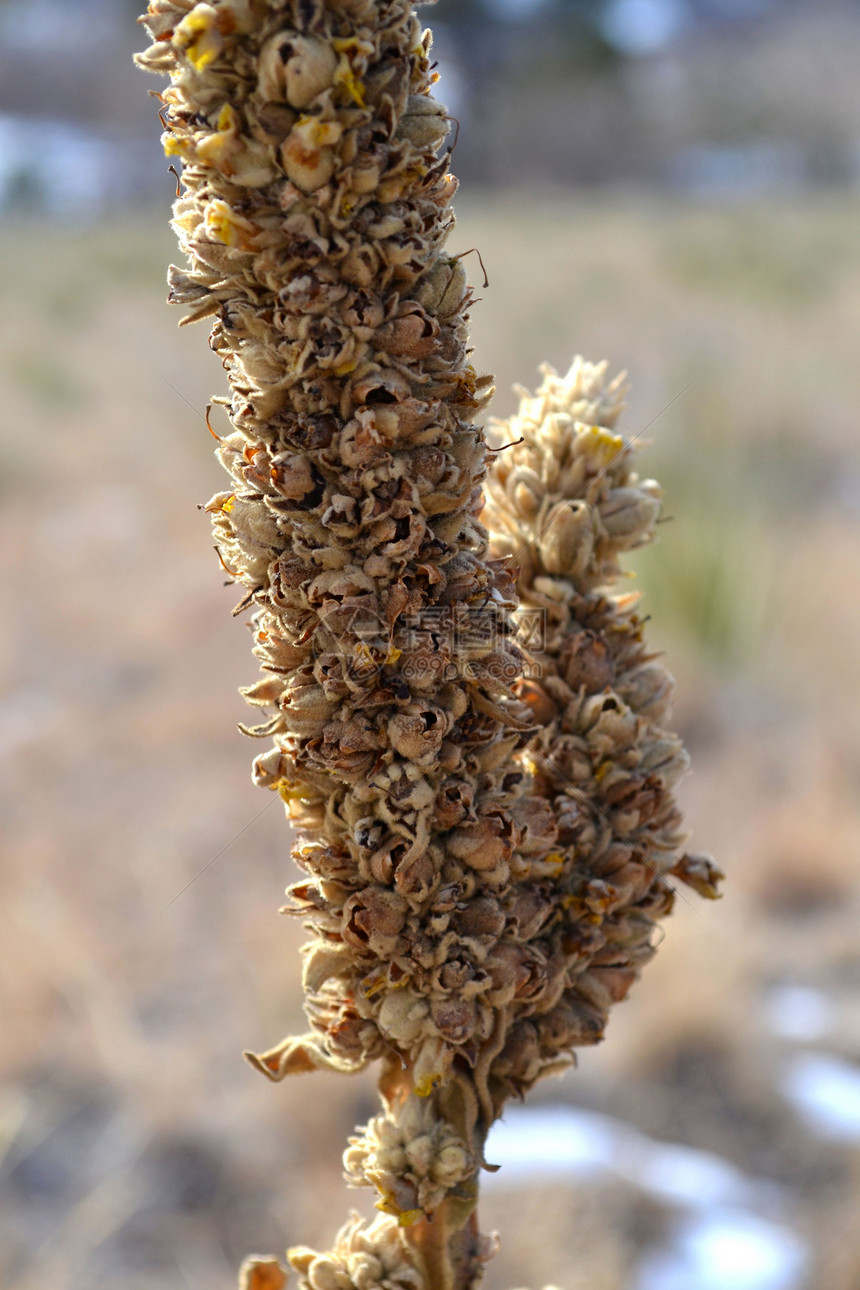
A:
673,185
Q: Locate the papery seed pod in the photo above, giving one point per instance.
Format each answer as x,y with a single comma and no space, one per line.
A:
567,538
262,1274
294,68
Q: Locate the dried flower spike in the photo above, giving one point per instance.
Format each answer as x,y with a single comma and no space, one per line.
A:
564,504
484,855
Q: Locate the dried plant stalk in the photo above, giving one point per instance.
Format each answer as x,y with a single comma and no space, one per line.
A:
485,855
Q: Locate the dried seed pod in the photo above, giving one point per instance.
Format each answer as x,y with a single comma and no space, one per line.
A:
262,1274
294,68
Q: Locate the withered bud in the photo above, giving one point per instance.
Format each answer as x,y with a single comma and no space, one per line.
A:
416,876
480,918
295,69
701,873
418,735
567,538
482,846
374,917
454,1018
261,1274
586,662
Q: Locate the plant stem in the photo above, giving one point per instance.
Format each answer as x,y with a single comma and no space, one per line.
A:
447,1248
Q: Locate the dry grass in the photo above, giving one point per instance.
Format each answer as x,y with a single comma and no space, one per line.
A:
139,1151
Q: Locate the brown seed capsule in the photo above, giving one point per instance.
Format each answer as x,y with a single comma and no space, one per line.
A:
373,918
454,1018
480,845
294,69
629,514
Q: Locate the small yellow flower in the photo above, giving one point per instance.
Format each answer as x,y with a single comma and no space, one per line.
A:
212,148
405,1217
174,146
198,36
226,225
603,444
346,77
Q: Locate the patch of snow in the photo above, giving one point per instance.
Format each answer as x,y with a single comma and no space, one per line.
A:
568,1140
644,26
727,1250
552,1139
725,1239
825,1091
53,166
799,1012
695,1179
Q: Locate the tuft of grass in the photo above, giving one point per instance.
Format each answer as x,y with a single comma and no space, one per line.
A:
711,582
43,376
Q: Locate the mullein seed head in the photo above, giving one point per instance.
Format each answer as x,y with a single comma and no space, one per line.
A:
314,217
483,856
564,503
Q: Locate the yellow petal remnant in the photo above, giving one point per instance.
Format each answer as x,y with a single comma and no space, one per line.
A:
603,444
213,147
221,503
223,224
315,133
426,1084
375,987
198,36
288,793
174,147
405,1217
352,44
346,77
